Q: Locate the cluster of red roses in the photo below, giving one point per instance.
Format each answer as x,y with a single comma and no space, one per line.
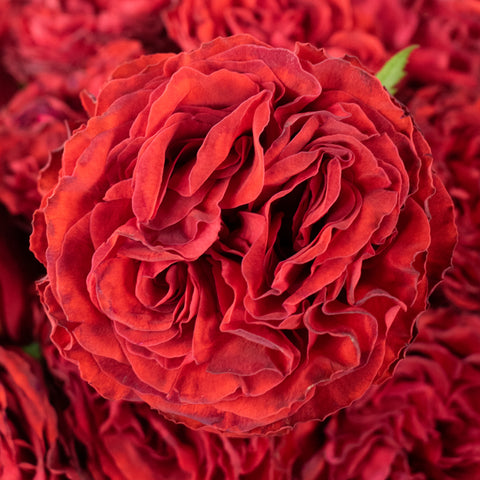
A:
241,245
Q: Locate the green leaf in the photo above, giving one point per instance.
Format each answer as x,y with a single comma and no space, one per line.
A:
33,350
394,69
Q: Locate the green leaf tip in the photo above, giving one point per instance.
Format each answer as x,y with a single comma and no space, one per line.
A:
394,69
33,350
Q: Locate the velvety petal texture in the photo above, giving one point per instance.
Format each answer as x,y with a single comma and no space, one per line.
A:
241,236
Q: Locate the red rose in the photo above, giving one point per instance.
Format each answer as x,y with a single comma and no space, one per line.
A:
329,24
242,236
450,119
424,423
448,35
447,32
280,23
393,23
298,455
62,47
32,125
50,37
135,441
29,439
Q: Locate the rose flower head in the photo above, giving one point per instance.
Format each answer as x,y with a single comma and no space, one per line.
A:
241,236
32,125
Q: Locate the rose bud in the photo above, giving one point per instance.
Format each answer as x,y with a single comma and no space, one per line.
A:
241,236
448,34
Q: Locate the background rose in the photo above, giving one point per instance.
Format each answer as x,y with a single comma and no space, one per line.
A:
42,37
424,422
241,258
30,445
38,119
299,454
280,23
59,43
450,119
447,32
32,124
327,23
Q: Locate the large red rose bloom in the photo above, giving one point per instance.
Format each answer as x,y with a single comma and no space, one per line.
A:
242,236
